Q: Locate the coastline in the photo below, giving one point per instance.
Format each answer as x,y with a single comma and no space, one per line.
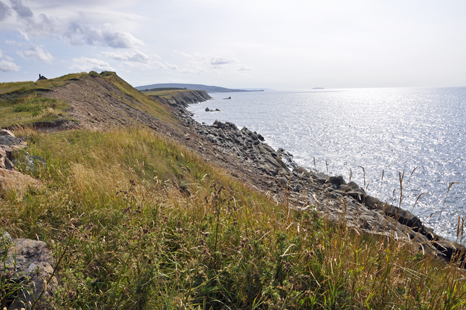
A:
331,196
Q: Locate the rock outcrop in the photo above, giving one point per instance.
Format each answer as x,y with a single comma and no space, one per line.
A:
182,99
28,268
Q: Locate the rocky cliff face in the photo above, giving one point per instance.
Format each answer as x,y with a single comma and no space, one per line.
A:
183,98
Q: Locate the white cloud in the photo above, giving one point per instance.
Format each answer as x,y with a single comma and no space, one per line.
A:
16,43
4,11
37,53
198,63
8,66
106,36
136,59
20,9
218,61
98,24
244,68
90,64
135,56
144,66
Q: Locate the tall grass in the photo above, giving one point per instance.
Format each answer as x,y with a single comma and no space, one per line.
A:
146,224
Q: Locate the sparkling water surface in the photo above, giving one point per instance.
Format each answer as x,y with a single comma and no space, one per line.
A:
370,135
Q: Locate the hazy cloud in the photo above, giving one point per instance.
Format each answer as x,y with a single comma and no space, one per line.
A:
144,66
136,56
201,63
244,68
218,61
16,43
37,53
82,34
1,53
8,66
20,9
90,64
4,11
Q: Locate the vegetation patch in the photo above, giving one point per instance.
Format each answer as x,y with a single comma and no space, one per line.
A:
37,105
30,109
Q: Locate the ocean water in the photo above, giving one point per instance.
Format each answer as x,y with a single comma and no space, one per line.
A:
373,136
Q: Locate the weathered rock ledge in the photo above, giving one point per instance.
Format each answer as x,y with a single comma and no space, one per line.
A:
331,196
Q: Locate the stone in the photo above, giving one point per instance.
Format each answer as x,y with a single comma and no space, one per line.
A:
12,150
287,158
6,132
2,158
11,180
338,181
30,262
9,140
5,240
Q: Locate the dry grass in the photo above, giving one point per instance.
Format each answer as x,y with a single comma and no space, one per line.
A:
146,224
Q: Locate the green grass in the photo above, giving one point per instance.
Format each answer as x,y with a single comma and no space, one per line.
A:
165,93
31,109
146,224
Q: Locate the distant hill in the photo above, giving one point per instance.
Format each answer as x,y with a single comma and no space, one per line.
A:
207,88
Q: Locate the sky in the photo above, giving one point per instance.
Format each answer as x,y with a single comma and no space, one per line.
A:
285,45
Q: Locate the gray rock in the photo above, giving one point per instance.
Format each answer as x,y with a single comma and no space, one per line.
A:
338,181
30,263
5,240
287,158
6,132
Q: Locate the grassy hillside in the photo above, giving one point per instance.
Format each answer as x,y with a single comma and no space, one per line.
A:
143,223
25,103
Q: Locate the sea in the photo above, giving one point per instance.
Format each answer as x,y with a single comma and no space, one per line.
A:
406,146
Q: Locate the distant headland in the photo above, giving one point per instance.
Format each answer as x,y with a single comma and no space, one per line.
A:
207,88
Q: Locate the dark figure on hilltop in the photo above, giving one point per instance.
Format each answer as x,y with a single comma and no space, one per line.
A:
41,77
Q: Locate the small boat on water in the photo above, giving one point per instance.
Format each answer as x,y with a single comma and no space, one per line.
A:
226,98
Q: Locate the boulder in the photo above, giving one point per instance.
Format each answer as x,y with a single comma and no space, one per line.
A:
29,263
11,140
6,132
5,162
287,158
2,158
337,181
11,180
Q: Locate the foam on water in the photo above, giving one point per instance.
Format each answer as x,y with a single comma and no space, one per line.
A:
419,132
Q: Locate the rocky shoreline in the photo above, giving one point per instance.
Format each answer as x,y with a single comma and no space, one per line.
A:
331,196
